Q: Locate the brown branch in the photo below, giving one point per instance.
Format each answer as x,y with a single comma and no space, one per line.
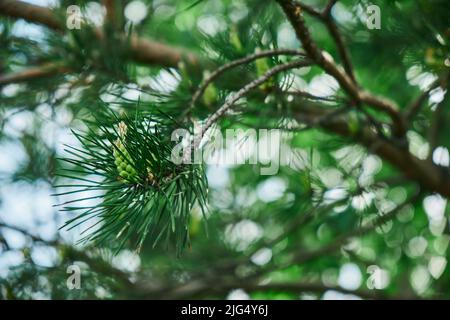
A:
293,13
302,257
316,287
30,12
330,5
26,233
308,9
428,175
414,108
340,45
142,50
46,70
436,125
243,91
327,19
219,71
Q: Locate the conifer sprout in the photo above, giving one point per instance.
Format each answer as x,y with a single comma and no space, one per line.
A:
262,66
210,94
145,195
235,41
123,163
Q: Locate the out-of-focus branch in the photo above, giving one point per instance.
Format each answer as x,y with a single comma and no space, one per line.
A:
219,71
243,91
46,70
428,175
315,287
326,17
414,108
338,40
436,125
143,50
302,257
31,13
310,10
28,234
324,60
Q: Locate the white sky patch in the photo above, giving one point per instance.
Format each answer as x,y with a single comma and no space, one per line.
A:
271,189
9,259
416,77
165,81
131,94
24,204
218,176
286,37
11,90
95,13
372,164
238,294
441,156
45,3
28,30
242,234
335,194
323,85
379,278
136,11
336,295
15,239
331,177
16,157
420,279
238,12
436,266
44,256
127,260
417,246
17,123
434,206
418,146
342,14
211,24
262,256
350,276
362,201
437,95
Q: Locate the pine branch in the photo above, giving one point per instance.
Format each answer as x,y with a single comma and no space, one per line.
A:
30,12
339,41
302,257
218,72
414,107
47,70
293,13
243,91
437,122
143,50
428,175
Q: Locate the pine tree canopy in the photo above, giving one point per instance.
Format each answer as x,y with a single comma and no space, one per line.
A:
198,149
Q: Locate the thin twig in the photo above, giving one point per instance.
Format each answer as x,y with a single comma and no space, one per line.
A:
413,109
243,91
201,89
325,61
436,125
46,70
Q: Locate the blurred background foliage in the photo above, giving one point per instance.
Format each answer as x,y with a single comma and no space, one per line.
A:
312,231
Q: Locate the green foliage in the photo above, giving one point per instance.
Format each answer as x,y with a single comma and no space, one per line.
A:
143,193
118,184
